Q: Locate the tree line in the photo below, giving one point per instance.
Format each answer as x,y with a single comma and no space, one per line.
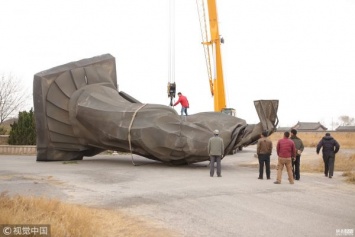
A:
13,97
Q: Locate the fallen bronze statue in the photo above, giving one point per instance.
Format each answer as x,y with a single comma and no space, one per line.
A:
80,111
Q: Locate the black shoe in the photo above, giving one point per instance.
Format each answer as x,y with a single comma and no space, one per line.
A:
326,175
268,178
260,178
330,176
219,175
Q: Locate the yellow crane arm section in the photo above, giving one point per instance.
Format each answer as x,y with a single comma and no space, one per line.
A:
214,43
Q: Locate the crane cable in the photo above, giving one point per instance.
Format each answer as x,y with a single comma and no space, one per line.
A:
201,10
171,54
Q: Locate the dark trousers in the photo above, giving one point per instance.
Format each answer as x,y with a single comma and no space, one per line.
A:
296,167
328,164
264,159
213,160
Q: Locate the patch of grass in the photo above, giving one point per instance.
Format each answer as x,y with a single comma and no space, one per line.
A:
350,176
344,162
70,162
73,220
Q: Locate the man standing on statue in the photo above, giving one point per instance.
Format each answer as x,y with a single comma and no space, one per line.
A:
184,103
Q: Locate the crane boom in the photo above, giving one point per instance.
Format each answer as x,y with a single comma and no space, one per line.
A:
218,80
211,41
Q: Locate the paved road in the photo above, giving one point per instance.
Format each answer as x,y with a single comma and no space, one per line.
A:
186,200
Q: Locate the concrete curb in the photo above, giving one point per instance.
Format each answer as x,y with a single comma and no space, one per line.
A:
18,150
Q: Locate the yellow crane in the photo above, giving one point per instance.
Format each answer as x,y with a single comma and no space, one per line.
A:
211,41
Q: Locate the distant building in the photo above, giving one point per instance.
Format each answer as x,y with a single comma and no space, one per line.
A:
345,129
309,127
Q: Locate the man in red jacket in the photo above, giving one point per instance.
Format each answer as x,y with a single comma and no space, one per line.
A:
184,103
285,151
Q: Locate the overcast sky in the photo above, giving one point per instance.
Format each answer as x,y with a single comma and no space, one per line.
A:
301,53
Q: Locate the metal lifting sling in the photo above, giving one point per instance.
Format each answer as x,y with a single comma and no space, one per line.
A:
171,77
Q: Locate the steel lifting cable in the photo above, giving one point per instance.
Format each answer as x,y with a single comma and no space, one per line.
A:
201,10
171,41
171,54
129,132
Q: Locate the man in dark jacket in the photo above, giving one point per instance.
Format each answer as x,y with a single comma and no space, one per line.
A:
264,150
296,161
330,148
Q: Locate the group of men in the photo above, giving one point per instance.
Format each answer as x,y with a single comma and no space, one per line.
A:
289,150
289,154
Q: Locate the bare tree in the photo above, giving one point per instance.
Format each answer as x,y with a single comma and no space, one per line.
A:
13,96
334,124
346,120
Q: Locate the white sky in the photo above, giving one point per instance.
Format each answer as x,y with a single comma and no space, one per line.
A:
299,52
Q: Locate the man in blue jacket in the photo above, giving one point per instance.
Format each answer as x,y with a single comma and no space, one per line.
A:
330,148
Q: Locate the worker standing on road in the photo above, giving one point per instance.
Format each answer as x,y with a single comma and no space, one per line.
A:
264,150
216,152
330,148
296,161
285,150
184,103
